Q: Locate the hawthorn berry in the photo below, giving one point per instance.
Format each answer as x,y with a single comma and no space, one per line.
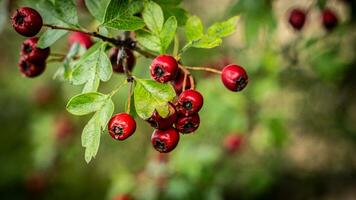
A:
234,77
297,18
164,68
158,122
27,21
178,82
81,38
121,126
330,20
189,102
232,142
31,69
165,141
32,53
187,124
129,59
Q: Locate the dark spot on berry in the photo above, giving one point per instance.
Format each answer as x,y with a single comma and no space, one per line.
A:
27,48
19,18
118,130
158,71
241,83
25,66
188,126
153,123
187,105
160,146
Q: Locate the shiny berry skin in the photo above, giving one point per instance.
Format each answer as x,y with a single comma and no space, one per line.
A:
81,38
330,20
189,102
130,60
33,54
232,142
178,82
164,68
165,141
187,124
158,122
27,21
31,69
234,77
297,19
121,126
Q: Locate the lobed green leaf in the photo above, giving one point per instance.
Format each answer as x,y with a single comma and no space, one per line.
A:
194,28
167,34
153,17
86,103
223,29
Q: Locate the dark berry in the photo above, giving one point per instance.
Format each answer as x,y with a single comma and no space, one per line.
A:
129,59
164,68
81,38
297,19
121,126
31,69
232,142
187,124
189,102
178,82
27,21
330,20
234,77
165,141
158,122
31,53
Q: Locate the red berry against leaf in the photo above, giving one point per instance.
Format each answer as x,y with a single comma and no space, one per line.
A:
121,126
31,53
189,102
178,82
158,122
165,141
31,69
232,142
234,77
81,38
188,124
130,60
27,21
330,20
164,68
297,19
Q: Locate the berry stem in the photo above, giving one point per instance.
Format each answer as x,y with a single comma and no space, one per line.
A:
144,52
129,99
117,88
208,69
187,74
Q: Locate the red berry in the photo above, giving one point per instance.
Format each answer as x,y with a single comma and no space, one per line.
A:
123,197
189,102
178,82
31,69
188,124
27,21
297,19
130,60
234,77
81,38
232,142
158,122
63,127
165,141
33,54
164,68
121,126
330,20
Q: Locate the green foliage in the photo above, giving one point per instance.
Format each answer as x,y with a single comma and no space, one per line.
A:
97,8
86,103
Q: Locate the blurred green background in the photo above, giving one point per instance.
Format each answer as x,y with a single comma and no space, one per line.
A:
296,118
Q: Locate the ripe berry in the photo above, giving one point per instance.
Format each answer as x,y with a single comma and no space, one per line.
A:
81,38
130,60
31,69
232,142
33,54
330,20
121,126
164,68
187,124
297,19
178,82
165,141
27,21
158,122
234,77
123,197
189,102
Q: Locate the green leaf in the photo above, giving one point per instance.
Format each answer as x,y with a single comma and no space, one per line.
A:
150,95
167,33
97,8
50,37
64,72
206,42
153,16
86,103
194,28
223,29
91,85
180,14
149,41
67,11
114,9
168,2
136,6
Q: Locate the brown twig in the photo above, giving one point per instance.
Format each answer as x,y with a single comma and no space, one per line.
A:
208,69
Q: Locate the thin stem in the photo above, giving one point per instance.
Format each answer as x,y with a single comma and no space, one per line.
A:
58,54
208,69
144,53
184,81
129,99
187,74
52,60
176,46
118,88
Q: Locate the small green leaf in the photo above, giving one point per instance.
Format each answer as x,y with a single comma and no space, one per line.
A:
150,95
125,22
180,14
67,11
223,29
50,37
115,8
97,8
91,85
168,32
149,41
153,16
206,42
194,28
64,72
86,103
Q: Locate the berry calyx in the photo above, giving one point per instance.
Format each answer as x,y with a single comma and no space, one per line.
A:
81,38
31,53
189,102
27,21
165,141
121,126
330,20
234,77
297,19
164,68
158,122
232,142
178,82
129,59
31,69
187,124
